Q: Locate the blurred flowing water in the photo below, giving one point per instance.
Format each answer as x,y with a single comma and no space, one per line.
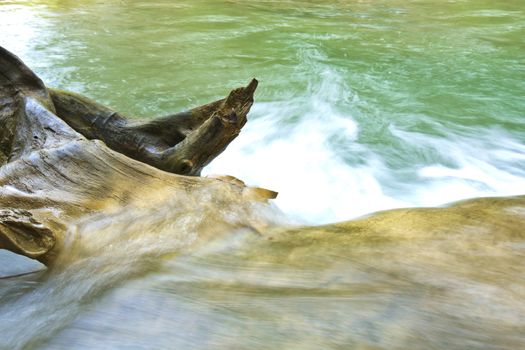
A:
362,106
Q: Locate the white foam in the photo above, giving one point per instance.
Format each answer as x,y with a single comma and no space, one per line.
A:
287,146
297,160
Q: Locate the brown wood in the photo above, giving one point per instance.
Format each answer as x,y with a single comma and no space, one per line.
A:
63,157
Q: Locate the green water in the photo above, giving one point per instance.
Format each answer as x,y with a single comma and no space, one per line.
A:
362,106
381,103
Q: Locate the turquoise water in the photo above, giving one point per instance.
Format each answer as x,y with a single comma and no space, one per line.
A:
362,106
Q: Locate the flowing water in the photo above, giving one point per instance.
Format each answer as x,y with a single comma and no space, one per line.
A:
362,106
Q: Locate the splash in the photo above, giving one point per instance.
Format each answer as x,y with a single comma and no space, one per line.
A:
313,150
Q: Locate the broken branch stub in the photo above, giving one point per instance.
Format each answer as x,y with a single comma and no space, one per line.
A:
201,146
22,234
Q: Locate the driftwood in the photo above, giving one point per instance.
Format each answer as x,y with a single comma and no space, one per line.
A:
54,168
182,143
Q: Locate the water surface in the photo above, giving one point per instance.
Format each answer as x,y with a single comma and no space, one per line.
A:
362,106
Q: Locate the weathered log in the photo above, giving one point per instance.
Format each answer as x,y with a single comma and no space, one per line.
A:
182,143
52,174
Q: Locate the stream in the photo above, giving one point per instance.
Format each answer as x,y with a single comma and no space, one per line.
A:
362,106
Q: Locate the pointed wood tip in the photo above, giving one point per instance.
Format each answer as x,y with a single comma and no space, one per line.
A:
252,86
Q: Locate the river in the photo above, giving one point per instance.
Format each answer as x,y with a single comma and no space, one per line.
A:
362,106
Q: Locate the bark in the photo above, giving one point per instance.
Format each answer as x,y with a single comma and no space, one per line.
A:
182,143
22,234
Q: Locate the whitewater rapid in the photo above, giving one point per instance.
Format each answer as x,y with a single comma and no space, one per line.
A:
311,150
